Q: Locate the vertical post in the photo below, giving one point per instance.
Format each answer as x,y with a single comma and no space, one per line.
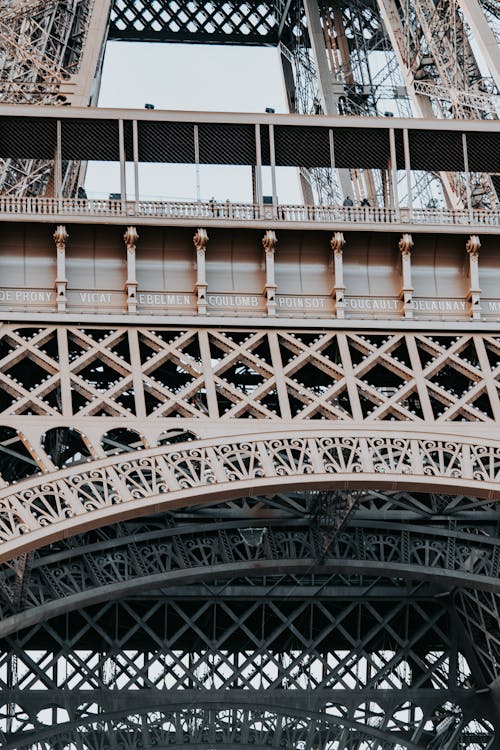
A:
130,238
258,171
135,149
269,242
467,174
272,155
200,241
406,146
331,142
337,244
405,246
58,164
60,238
394,173
196,139
473,245
123,166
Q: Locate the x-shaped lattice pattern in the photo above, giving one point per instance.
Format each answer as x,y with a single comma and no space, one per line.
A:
400,547
233,374
235,724
194,646
251,22
273,645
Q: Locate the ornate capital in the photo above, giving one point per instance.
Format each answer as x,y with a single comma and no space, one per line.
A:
269,241
60,236
337,242
473,245
130,238
405,244
200,239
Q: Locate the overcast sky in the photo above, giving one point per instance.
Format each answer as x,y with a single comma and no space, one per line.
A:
191,77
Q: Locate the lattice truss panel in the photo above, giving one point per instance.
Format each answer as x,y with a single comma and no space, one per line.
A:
41,50
216,22
403,57
327,527
160,658
139,377
41,45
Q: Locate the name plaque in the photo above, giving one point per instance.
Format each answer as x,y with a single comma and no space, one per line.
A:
29,297
164,299
373,304
433,305
250,301
490,306
300,303
91,298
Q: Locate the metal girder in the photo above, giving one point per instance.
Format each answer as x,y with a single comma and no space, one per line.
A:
193,553
362,664
236,724
250,23
483,35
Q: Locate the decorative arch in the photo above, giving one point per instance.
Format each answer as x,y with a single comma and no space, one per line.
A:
64,503
224,723
198,553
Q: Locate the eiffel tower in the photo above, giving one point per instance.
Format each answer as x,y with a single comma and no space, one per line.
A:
249,451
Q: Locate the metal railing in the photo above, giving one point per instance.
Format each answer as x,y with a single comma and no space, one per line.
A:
243,212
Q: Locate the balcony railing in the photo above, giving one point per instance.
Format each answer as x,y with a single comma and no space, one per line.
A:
11,206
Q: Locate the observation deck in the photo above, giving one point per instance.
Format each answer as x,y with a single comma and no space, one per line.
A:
256,260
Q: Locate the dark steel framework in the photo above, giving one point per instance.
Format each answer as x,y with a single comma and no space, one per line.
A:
263,23
258,622
334,620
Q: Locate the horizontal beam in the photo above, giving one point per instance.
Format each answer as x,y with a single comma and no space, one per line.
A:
36,113
201,471
250,216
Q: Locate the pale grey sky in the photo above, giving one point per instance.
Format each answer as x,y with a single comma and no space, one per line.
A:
191,77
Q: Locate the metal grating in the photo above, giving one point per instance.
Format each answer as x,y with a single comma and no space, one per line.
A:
249,23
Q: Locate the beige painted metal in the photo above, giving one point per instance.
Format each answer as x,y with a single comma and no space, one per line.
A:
252,118
239,272
190,214
483,34
113,489
85,85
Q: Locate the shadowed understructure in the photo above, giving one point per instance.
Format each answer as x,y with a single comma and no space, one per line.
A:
249,452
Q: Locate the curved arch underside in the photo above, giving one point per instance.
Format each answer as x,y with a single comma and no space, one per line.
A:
237,724
265,593
63,503
198,553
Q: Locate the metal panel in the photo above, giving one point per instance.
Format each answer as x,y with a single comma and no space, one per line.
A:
439,269
304,264
96,270
235,263
27,258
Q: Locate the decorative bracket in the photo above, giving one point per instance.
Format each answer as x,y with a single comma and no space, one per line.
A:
405,248
130,238
269,242
337,243
61,237
200,241
474,296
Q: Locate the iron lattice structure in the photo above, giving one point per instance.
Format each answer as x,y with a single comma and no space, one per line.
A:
283,609
367,57
276,536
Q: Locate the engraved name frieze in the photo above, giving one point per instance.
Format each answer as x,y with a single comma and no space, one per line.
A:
373,304
440,305
234,300
302,303
27,296
162,299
